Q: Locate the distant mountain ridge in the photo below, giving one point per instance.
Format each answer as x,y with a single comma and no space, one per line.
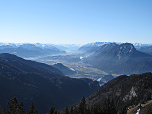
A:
123,58
55,48
105,48
123,51
30,50
146,49
90,47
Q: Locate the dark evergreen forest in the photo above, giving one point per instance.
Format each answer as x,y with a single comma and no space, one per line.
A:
108,107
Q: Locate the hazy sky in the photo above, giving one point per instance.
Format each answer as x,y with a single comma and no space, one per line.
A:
75,21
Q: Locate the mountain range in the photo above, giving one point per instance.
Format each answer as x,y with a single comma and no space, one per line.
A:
30,50
92,47
146,49
120,59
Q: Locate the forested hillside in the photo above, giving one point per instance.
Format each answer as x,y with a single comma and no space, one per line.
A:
125,90
28,81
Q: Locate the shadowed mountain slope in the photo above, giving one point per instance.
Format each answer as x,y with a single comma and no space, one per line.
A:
28,62
44,87
120,59
126,90
66,70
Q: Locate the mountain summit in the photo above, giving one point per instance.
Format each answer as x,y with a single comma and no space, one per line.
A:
126,51
123,58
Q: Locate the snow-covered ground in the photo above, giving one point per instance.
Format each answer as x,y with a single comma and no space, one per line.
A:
138,111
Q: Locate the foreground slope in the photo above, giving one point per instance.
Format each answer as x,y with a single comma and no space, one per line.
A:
143,110
42,86
126,90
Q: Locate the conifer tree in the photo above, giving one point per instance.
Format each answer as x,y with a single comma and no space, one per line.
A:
58,112
1,111
88,110
112,107
55,111
52,109
105,106
75,111
14,107
4,110
148,96
66,111
96,109
82,106
71,109
123,110
108,106
32,109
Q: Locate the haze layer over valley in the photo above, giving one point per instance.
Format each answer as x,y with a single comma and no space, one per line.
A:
93,60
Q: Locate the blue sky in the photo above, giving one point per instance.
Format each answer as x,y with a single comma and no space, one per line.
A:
75,21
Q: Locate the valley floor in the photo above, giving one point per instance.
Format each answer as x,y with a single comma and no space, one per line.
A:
83,70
